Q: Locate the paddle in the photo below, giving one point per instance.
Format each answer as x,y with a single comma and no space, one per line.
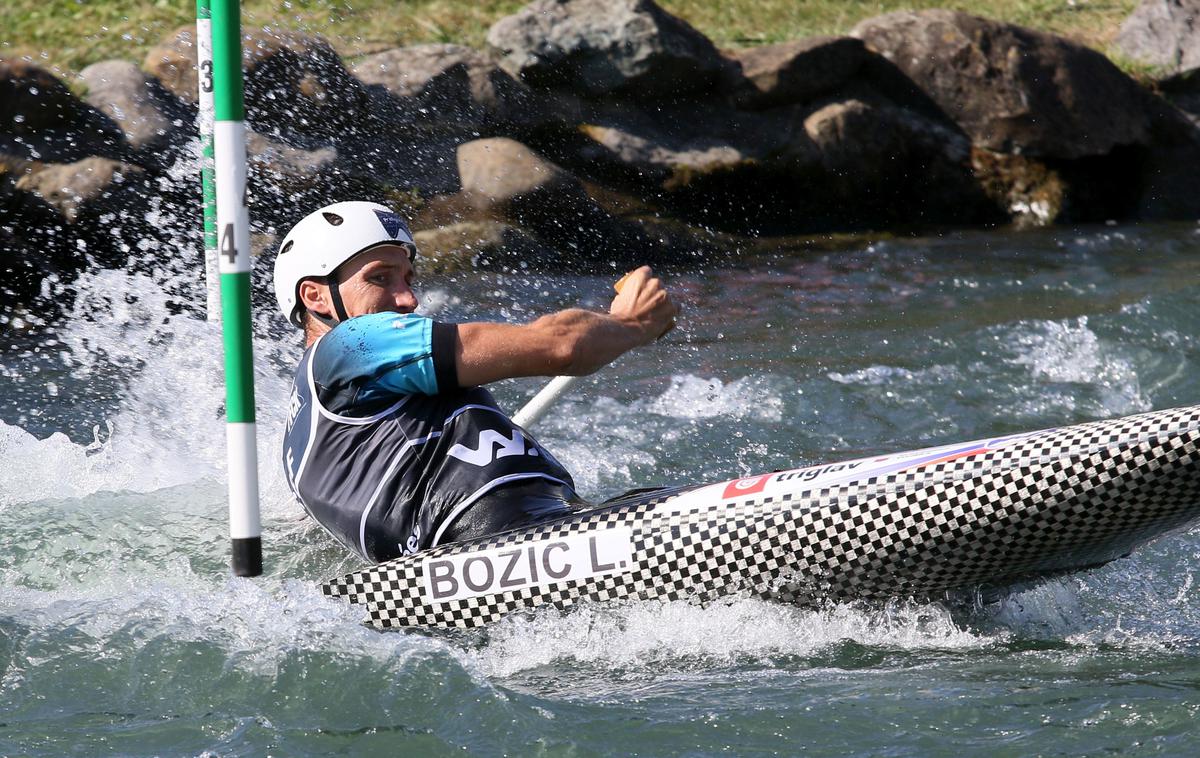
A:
557,387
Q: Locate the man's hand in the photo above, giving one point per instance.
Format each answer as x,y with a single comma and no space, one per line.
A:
643,302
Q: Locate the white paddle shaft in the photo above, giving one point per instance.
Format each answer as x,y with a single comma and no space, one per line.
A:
541,402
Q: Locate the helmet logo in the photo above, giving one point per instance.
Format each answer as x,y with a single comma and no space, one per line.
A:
392,223
332,218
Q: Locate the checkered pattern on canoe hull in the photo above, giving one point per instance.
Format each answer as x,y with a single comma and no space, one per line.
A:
1049,502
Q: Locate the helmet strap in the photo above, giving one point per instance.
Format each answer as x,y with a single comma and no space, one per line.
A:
339,308
336,297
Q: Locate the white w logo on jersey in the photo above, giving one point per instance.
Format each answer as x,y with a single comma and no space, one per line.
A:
488,439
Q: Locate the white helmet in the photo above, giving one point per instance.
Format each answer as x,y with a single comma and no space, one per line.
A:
327,238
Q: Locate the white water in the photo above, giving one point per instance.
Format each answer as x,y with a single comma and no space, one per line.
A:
116,587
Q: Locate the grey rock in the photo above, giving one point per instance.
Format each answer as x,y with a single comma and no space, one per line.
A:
71,187
1012,89
34,245
505,180
1163,33
295,84
290,169
41,120
419,70
662,159
419,160
107,207
797,71
173,63
606,47
438,83
872,137
1170,178
150,117
482,245
506,176
33,100
286,182
22,272
892,166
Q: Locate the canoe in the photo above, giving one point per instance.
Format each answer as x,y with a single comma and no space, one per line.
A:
922,524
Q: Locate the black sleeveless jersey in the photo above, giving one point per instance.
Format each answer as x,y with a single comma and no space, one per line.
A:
387,472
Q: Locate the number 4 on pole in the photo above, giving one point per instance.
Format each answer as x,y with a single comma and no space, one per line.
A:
229,244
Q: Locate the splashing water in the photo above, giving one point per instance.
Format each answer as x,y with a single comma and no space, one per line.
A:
120,629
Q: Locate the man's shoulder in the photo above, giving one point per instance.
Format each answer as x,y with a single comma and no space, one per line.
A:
374,330
373,322
368,350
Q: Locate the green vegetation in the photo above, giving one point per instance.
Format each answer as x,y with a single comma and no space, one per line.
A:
70,34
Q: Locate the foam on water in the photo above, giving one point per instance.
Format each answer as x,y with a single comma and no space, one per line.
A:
1071,353
641,438
692,397
257,622
890,376
651,634
117,544
165,369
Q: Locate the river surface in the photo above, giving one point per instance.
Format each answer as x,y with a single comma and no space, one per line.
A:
122,631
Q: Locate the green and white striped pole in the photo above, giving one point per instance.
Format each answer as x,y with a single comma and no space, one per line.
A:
233,227
204,69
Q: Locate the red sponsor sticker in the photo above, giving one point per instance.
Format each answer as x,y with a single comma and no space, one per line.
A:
747,486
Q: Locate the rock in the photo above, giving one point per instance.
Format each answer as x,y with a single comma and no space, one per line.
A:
70,187
1012,89
1183,91
505,177
606,47
484,245
418,69
1164,33
669,146
1169,183
20,277
892,166
707,163
1030,192
420,160
285,182
505,180
432,83
298,83
457,84
150,117
173,63
294,83
287,171
33,100
41,120
797,71
109,208
668,163
33,243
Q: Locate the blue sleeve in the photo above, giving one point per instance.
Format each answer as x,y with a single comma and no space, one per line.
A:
369,358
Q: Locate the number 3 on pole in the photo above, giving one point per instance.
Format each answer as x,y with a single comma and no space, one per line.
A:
229,244
206,75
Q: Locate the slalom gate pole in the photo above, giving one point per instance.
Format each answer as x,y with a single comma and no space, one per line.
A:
204,70
233,231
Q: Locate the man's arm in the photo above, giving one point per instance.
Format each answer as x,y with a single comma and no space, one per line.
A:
572,342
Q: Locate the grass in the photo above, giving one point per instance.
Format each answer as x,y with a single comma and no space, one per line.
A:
67,35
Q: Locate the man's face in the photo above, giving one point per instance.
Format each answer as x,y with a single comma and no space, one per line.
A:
377,281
